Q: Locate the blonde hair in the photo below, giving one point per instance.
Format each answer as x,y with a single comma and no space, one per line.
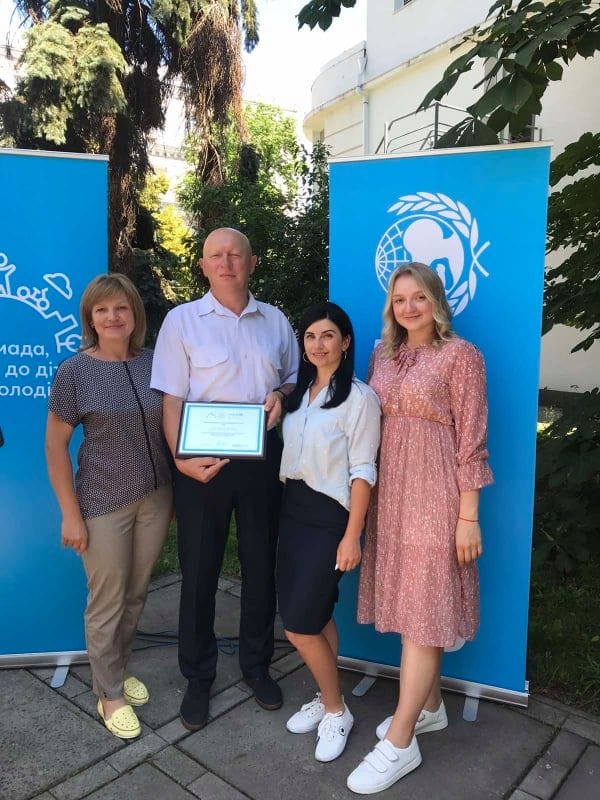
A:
101,288
393,334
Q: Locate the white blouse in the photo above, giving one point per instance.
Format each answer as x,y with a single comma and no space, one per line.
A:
328,448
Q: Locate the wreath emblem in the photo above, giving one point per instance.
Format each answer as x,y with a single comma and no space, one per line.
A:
438,231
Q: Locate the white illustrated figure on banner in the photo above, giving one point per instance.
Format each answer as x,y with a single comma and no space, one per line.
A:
58,285
435,230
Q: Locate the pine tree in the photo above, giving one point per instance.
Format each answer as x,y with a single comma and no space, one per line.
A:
96,77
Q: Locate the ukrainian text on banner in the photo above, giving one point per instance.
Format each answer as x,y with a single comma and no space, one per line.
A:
53,240
478,217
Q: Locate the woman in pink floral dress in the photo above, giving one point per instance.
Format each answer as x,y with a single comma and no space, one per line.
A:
419,573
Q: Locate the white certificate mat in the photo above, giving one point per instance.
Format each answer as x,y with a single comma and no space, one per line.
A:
224,430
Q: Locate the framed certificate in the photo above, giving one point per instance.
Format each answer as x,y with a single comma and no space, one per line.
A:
223,430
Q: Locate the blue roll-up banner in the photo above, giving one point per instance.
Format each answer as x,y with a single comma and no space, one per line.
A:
53,240
478,217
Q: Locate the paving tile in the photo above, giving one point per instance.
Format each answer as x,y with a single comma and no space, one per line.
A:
142,783
224,584
45,796
544,712
177,765
85,782
551,769
211,787
288,663
520,795
566,749
83,674
223,701
72,687
87,702
584,782
583,727
44,737
242,746
578,712
544,779
43,673
167,579
235,590
136,752
173,731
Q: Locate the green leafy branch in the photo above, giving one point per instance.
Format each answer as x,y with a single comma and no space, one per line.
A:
322,12
525,47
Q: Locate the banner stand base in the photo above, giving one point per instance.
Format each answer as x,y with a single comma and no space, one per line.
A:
470,709
60,659
363,686
474,691
59,677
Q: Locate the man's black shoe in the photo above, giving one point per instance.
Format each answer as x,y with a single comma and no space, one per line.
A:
194,708
266,691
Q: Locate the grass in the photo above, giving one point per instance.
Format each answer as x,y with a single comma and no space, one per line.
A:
564,636
564,626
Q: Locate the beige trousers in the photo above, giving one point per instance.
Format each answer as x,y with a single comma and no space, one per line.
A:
122,549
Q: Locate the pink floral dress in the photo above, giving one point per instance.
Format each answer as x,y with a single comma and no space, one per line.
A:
433,438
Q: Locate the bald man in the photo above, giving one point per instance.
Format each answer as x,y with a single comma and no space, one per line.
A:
225,347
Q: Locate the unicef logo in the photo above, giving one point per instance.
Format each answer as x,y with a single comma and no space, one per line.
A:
441,232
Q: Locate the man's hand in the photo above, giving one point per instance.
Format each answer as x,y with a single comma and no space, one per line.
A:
273,408
201,469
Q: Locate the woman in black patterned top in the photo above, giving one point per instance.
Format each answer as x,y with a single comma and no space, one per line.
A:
116,512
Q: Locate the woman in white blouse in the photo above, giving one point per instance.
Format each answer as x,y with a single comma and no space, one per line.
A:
331,437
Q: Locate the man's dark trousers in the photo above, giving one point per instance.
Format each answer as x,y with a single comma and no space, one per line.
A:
252,490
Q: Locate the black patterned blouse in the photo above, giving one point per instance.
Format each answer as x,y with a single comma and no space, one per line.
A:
123,456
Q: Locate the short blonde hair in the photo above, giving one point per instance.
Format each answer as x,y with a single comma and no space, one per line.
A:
393,334
101,288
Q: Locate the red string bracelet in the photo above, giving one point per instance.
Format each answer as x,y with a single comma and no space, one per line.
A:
464,519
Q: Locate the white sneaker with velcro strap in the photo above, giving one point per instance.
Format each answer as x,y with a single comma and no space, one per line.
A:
383,766
308,718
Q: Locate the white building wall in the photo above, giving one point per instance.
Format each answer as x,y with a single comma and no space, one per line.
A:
396,37
407,52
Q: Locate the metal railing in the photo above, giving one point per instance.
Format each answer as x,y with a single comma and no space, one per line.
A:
429,134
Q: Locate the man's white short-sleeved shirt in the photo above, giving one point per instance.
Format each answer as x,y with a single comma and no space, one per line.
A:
205,352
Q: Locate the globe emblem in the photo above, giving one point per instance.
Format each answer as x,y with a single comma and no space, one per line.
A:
434,230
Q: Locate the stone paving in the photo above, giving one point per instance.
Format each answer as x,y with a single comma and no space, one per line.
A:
54,747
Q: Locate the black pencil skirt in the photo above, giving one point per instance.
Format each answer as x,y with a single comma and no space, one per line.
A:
311,528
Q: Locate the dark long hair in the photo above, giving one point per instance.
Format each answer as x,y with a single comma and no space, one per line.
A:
341,380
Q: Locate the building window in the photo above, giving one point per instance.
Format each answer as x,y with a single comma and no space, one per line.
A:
319,136
399,4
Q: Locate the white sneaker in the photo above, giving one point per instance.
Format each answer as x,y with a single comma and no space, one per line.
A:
333,734
428,722
383,766
308,718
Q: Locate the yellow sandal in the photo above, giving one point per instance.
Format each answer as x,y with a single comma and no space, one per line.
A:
122,723
135,692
